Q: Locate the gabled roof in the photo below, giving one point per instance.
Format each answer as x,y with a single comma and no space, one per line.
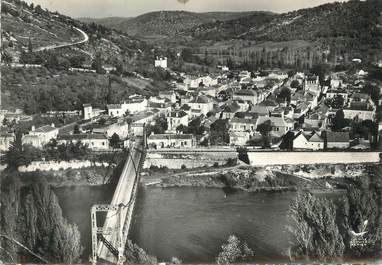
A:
201,99
275,121
233,107
79,137
44,129
178,114
245,92
170,136
243,120
114,106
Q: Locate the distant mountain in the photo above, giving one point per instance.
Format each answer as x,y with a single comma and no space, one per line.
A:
164,23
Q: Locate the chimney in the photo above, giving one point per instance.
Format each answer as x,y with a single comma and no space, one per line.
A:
177,114
33,128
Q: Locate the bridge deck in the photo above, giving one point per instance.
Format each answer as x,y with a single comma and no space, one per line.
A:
124,194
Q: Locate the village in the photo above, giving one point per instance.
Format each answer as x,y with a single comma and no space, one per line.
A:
272,110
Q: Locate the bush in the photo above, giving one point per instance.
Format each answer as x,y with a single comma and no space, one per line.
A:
183,167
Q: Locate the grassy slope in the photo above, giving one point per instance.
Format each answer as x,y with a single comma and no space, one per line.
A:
36,90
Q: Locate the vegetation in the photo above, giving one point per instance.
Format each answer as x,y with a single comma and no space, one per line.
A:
32,215
219,133
22,155
325,229
234,251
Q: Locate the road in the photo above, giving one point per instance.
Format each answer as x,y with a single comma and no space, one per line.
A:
124,194
52,47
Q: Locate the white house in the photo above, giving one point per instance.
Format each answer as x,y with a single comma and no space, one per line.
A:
201,103
176,118
40,136
133,105
308,141
241,130
246,95
169,140
161,62
95,142
6,140
361,110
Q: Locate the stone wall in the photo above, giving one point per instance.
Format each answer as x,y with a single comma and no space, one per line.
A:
259,158
190,159
61,165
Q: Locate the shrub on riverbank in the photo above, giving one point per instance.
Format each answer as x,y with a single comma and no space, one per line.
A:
32,215
327,229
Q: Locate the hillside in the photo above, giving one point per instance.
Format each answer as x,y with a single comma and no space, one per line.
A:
50,44
353,25
162,24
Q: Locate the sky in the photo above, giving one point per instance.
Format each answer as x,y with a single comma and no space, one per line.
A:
131,8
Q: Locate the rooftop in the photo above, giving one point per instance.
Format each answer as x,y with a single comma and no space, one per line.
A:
170,136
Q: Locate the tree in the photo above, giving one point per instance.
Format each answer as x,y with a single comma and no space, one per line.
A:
30,46
77,61
76,129
264,129
7,58
295,84
313,229
115,140
284,94
339,121
97,63
338,102
233,251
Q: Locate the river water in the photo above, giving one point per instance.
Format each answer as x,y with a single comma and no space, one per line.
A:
191,223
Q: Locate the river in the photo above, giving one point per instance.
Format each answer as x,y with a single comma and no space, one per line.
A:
191,223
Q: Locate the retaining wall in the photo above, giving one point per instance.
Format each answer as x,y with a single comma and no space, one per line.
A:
61,165
190,159
258,158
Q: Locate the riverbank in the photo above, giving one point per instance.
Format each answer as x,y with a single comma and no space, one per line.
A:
320,178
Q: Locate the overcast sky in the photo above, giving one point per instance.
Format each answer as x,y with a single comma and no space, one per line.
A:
129,8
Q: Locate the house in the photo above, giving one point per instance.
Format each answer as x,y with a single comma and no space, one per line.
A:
261,110
332,93
312,83
244,105
312,141
95,142
176,118
337,139
170,140
297,98
87,111
312,98
361,110
201,103
6,139
241,130
229,110
120,128
359,97
170,95
300,110
198,81
246,95
160,62
40,136
133,105
279,125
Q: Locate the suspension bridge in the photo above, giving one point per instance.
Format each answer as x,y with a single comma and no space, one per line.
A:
109,240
